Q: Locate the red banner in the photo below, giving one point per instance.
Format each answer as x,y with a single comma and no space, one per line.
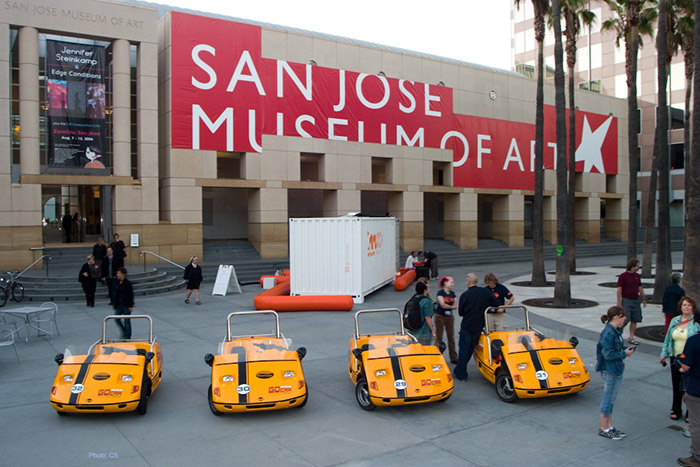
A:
225,96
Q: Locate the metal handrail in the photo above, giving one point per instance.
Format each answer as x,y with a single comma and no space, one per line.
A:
143,253
17,276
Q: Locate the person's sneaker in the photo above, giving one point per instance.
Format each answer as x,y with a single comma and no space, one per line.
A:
688,461
686,432
611,434
621,434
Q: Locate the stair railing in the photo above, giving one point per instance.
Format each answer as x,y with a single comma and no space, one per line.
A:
48,257
144,253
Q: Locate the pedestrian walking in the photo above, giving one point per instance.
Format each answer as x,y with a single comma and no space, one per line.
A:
87,277
193,276
124,302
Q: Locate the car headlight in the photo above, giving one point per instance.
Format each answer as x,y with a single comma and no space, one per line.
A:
227,379
572,360
126,378
437,367
380,373
289,374
68,378
522,366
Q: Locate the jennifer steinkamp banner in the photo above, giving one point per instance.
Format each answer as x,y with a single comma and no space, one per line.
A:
75,95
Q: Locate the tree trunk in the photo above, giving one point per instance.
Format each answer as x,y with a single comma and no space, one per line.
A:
663,240
539,278
571,194
691,265
562,285
651,219
632,46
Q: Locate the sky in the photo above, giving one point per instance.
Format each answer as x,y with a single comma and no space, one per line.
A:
477,31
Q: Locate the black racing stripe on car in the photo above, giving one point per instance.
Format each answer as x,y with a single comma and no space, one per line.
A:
242,371
82,373
396,369
536,363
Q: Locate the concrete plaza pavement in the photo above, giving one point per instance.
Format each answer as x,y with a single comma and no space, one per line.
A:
472,428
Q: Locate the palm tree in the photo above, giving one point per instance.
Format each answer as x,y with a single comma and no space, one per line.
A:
684,38
562,284
538,276
634,18
575,13
691,265
663,241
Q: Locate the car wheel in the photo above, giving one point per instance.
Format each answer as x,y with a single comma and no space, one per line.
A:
448,396
212,407
62,414
504,387
303,403
362,395
142,408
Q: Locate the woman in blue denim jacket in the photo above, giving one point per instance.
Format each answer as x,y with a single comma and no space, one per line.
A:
610,353
679,330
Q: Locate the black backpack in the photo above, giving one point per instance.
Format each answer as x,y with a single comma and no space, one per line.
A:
412,317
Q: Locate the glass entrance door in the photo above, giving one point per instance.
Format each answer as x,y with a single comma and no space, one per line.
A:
72,213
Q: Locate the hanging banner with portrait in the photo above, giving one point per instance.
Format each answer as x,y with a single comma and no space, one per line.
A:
75,97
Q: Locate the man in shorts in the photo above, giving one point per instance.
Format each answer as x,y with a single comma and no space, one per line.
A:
630,296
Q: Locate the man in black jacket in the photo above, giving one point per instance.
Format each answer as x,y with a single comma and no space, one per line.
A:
472,305
124,302
109,267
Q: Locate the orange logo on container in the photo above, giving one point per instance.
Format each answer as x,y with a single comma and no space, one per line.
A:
375,243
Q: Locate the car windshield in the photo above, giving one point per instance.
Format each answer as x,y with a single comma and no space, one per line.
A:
253,345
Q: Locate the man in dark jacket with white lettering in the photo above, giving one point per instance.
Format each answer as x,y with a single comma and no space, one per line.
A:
472,305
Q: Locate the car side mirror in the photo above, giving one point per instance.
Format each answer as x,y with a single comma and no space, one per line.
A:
301,351
149,357
357,353
573,341
441,347
209,359
59,359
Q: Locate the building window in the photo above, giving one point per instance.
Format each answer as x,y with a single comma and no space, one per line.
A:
676,157
593,85
310,167
442,175
228,165
380,170
676,118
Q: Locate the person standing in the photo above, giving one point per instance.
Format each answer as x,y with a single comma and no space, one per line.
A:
672,295
610,354
99,251
426,334
123,302
444,315
109,267
88,279
432,259
193,276
630,295
690,365
67,223
118,248
75,226
410,260
499,291
680,329
472,305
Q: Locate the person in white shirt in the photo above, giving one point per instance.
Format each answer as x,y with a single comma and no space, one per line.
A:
410,260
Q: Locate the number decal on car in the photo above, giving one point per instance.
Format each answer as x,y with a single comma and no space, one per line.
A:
77,388
541,375
243,389
400,384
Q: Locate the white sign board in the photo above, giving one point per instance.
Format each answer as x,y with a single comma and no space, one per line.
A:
134,241
223,283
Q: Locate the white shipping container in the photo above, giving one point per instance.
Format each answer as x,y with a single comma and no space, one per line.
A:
341,255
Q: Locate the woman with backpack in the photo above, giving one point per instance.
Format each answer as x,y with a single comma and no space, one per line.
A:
426,333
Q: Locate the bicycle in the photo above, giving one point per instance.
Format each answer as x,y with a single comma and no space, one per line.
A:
10,287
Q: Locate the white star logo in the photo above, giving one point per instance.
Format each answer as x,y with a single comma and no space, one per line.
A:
591,143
